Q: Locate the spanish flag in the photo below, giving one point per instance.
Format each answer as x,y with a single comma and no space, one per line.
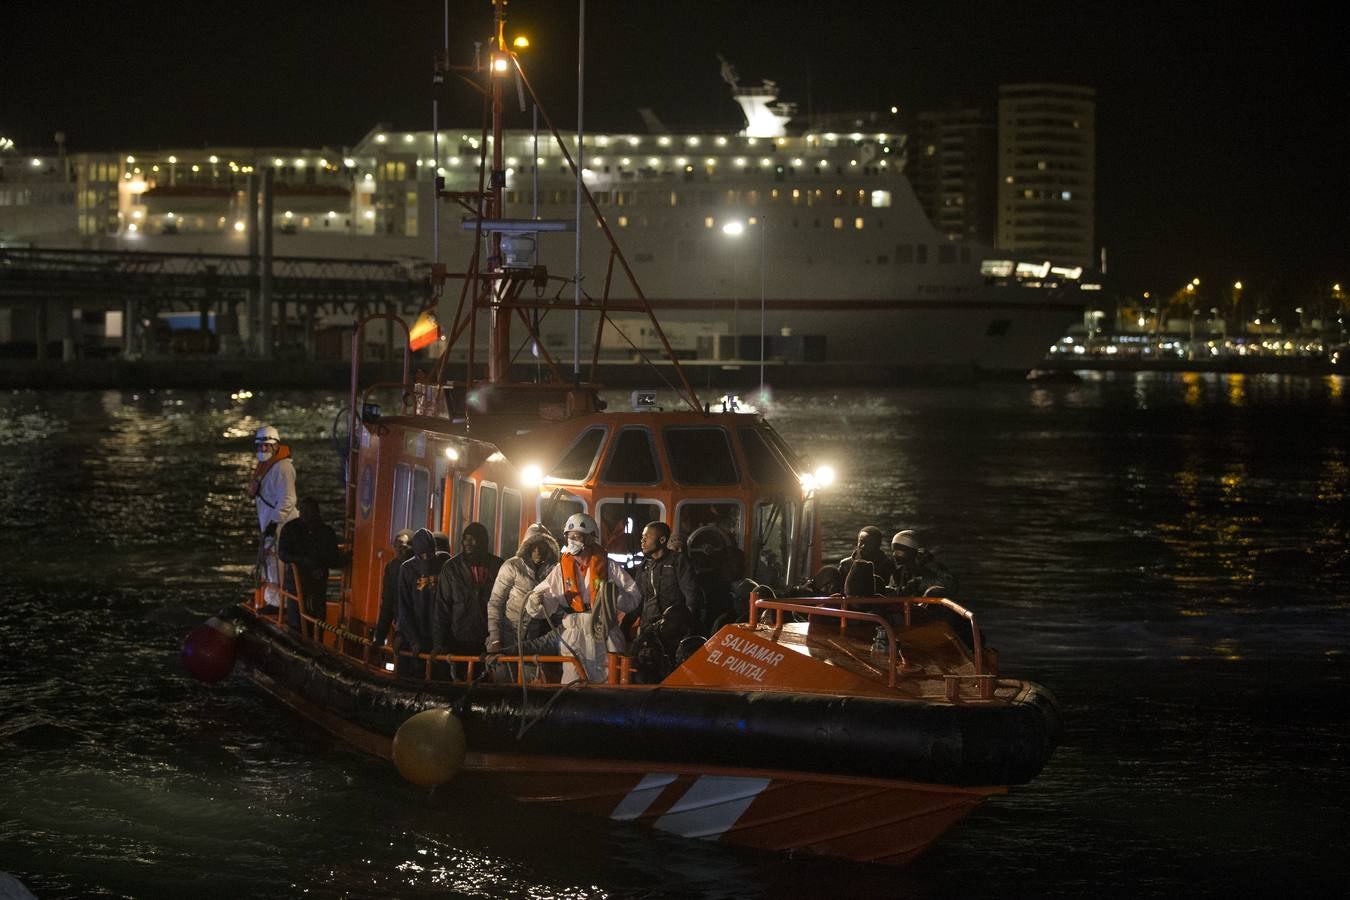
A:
425,331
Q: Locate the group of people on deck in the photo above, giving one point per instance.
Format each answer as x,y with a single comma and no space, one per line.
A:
908,570
546,600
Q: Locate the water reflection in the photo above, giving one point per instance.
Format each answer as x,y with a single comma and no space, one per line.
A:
1153,547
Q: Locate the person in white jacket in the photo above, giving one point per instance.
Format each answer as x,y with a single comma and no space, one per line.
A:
590,590
272,489
507,624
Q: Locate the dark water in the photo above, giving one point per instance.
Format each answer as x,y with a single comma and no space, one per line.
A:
1169,553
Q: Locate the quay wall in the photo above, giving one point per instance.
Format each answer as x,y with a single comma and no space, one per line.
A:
245,373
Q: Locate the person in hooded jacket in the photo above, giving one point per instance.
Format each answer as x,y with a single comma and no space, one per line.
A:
507,624
389,586
460,617
417,580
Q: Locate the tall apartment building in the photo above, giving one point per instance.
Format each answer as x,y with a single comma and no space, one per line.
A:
953,166
1046,172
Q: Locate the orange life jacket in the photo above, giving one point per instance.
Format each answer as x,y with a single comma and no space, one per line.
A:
597,572
261,469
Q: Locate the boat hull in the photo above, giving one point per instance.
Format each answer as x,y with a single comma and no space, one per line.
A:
861,778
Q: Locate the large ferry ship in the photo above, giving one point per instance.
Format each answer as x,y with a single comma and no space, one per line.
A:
795,242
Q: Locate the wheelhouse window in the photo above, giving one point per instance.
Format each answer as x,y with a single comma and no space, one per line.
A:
621,523
421,498
510,530
487,509
398,517
632,458
771,546
556,509
700,456
578,461
766,465
710,528
463,507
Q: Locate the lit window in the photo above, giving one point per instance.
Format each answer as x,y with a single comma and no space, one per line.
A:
858,224
838,222
1066,195
623,221
881,198
708,222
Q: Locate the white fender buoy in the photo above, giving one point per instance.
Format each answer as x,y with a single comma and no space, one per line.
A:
429,747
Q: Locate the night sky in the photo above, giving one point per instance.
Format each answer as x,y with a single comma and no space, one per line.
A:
1222,135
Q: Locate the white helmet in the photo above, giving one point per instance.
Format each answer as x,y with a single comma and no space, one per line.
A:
266,433
583,523
905,539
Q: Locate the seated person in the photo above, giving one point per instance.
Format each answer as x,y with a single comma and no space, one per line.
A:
869,549
915,572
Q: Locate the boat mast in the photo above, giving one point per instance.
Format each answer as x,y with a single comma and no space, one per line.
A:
499,63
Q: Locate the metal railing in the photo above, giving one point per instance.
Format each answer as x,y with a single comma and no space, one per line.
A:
819,606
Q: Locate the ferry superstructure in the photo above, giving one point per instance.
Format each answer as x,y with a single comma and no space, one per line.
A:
809,245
